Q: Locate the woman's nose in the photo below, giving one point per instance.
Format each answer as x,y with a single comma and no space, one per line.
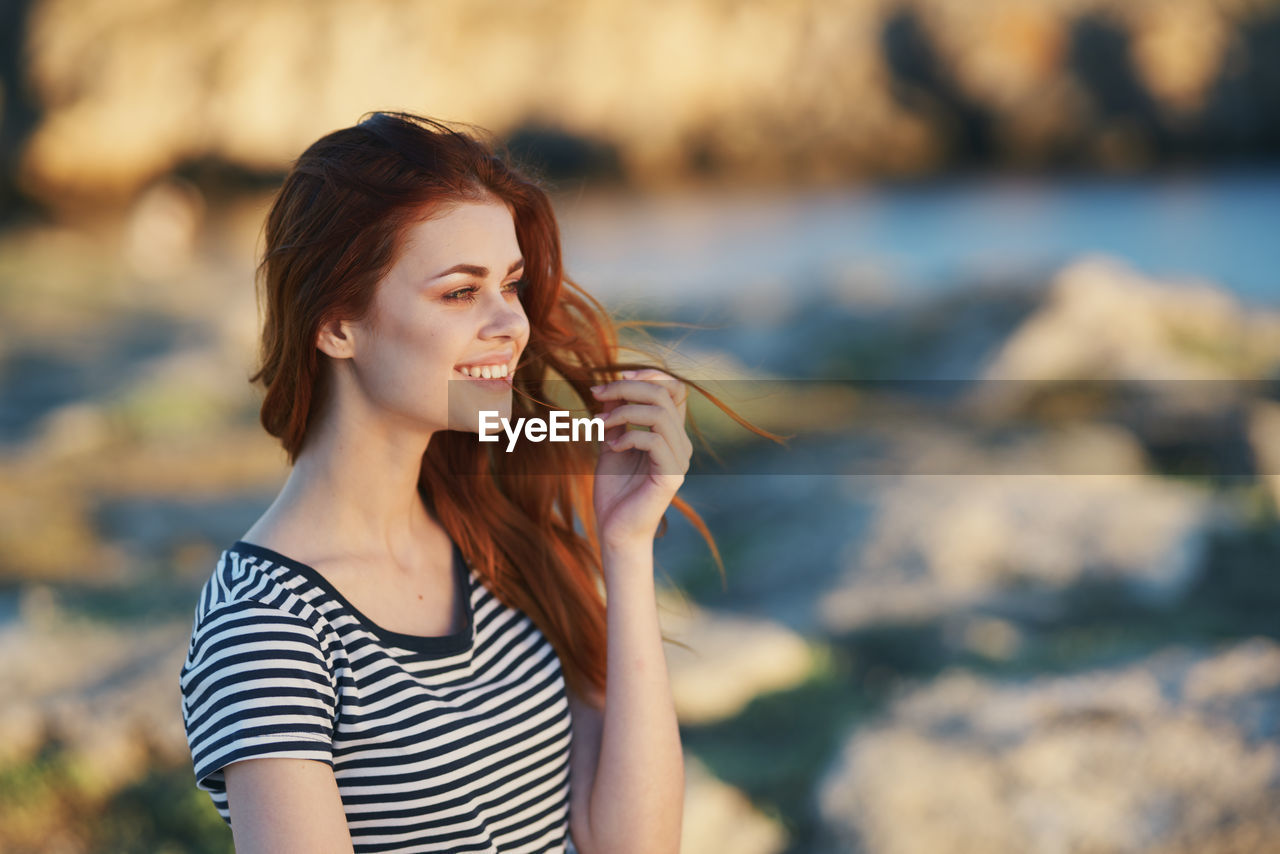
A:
507,317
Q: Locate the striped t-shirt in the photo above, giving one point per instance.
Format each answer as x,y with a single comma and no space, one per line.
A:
454,743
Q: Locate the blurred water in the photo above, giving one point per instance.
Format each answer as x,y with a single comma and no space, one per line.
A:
891,241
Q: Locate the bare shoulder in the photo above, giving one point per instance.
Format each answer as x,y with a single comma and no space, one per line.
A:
286,805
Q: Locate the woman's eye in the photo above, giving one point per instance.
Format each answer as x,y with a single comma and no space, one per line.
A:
468,294
461,295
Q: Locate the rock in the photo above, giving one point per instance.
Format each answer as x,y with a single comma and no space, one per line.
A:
71,430
1264,440
717,817
108,695
729,661
1177,364
674,90
940,544
1179,51
107,753
22,733
163,228
1143,757
1102,320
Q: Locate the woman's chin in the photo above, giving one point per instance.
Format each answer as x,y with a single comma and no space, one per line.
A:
473,418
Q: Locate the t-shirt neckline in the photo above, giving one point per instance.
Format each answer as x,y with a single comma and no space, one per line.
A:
456,642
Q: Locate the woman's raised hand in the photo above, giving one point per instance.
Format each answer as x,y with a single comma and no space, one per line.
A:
639,471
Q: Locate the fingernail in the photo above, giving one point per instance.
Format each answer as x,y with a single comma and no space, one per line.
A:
596,388
628,374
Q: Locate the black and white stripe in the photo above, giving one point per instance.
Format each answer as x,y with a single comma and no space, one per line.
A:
457,743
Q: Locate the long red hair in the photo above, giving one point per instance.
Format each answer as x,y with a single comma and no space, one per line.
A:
332,233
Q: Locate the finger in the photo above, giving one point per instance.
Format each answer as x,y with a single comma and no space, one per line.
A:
615,430
675,389
657,448
614,426
656,418
641,390
645,414
655,391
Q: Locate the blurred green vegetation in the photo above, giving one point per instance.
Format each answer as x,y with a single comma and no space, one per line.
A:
54,801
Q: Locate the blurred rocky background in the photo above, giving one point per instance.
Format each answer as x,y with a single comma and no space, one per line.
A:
1049,625
101,97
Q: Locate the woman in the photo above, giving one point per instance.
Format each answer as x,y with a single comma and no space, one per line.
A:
354,683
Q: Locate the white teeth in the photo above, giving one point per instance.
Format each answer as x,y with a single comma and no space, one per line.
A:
485,371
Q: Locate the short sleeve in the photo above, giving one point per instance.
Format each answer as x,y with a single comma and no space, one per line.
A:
255,683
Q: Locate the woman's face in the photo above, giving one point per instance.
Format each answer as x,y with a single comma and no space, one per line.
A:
450,300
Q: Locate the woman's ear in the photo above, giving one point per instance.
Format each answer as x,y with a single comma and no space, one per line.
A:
335,339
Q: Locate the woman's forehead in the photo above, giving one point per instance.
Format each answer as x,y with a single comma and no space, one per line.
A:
479,233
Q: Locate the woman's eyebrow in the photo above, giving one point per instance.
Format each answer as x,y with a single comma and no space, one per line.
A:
475,270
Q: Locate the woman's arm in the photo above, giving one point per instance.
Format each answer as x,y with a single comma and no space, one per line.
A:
286,806
636,793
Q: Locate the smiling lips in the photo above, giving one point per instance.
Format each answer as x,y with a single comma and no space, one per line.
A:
491,369
495,377
484,371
